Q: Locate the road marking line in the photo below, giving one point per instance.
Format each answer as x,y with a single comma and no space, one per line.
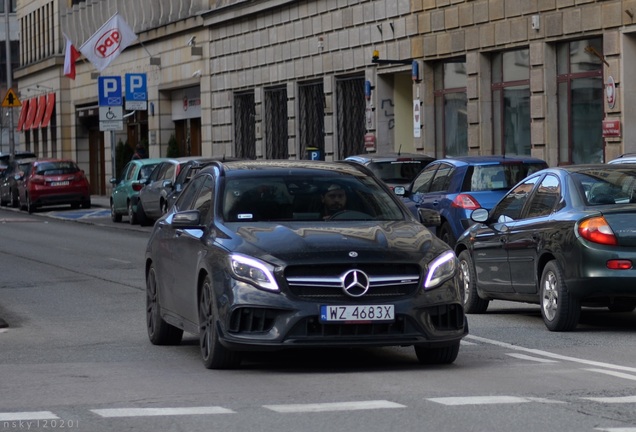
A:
465,342
552,355
527,357
479,400
119,260
24,416
627,429
616,374
152,412
610,400
336,406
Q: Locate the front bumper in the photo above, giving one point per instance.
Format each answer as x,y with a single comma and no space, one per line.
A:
257,320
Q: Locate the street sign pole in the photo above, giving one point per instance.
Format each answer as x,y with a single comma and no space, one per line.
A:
9,79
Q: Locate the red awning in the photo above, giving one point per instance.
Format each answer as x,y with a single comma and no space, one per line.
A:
23,115
39,114
50,106
33,107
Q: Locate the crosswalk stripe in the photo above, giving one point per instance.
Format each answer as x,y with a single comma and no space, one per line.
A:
335,406
479,400
156,412
33,415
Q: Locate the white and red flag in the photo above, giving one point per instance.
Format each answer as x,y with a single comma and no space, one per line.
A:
108,42
70,57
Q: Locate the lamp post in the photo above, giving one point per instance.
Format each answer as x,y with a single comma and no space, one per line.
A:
7,43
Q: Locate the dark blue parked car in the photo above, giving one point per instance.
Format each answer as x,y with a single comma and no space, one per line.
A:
457,186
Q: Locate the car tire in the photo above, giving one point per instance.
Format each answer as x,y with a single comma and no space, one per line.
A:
159,331
473,304
445,233
14,198
142,219
115,217
86,203
560,311
164,207
214,355
132,215
30,207
437,355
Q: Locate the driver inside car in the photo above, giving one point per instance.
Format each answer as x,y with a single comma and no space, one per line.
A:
334,200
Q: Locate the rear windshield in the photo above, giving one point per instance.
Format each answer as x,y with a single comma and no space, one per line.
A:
398,171
57,168
501,176
607,186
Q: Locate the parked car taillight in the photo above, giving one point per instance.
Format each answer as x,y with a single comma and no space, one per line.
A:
137,187
466,202
597,230
37,179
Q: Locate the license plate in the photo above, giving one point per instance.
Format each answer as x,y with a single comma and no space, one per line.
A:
357,314
60,183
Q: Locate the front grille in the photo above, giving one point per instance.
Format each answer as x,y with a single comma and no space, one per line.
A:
252,320
325,282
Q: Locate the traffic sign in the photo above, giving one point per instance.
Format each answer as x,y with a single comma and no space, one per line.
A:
110,91
111,118
11,100
136,92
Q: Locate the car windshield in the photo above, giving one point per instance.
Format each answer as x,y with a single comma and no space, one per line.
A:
607,186
299,198
56,168
502,176
401,171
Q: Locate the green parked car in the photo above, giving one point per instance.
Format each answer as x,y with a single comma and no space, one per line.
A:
123,199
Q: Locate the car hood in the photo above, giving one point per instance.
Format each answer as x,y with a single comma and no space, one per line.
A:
325,242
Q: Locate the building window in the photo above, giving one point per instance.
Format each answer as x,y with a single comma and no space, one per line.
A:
580,101
451,123
276,134
12,4
511,103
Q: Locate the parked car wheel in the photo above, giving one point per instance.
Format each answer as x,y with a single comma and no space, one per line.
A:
116,217
472,302
439,355
86,203
159,331
132,215
214,355
15,198
142,219
446,234
559,310
30,207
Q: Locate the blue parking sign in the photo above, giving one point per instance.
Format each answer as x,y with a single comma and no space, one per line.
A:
136,91
110,91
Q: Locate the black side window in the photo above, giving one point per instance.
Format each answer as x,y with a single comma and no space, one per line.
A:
442,178
186,198
204,200
547,196
510,207
423,181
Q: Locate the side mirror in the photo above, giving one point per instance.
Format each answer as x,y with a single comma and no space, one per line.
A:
190,219
113,181
429,217
399,191
479,215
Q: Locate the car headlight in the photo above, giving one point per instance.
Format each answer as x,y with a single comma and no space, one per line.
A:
256,272
441,268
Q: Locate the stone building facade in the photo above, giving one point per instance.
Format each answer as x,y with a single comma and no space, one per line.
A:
330,78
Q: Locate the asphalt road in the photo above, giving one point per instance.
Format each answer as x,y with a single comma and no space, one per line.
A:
76,356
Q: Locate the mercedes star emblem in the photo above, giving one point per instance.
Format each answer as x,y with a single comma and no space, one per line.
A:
355,283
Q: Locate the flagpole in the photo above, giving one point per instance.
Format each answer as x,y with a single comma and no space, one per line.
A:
9,80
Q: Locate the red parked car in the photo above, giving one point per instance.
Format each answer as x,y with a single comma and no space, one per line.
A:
53,182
